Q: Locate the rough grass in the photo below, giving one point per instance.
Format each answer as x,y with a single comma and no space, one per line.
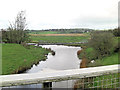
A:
90,55
16,58
109,60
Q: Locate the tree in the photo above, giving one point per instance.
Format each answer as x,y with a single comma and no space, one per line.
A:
116,32
16,31
102,42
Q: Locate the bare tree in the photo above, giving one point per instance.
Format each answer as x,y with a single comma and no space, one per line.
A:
20,22
16,31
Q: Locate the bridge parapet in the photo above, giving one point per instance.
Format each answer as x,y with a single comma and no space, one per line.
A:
55,76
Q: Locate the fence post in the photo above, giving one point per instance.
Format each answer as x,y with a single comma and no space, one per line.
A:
47,85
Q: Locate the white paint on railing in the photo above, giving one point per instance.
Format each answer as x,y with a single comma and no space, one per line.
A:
34,78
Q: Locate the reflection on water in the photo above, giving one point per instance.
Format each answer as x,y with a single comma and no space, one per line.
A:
65,58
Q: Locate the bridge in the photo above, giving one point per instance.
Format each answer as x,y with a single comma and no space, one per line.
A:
60,75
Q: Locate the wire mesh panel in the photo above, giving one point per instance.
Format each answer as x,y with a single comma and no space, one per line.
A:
104,81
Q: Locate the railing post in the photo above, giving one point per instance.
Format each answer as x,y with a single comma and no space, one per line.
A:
47,85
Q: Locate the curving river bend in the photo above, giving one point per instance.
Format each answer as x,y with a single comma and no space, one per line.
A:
65,58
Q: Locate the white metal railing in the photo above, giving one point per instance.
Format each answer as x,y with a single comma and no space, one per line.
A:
93,77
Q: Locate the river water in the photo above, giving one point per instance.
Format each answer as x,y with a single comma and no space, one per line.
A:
65,58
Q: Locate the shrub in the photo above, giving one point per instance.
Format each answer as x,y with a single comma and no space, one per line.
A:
102,42
116,32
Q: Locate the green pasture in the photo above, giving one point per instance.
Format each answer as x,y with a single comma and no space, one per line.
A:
59,39
15,57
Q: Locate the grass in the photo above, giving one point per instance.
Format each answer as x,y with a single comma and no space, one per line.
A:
109,60
56,32
114,78
102,81
59,39
87,53
45,32
99,82
90,54
15,57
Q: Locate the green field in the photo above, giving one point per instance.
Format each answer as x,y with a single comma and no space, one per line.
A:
59,39
59,31
15,57
45,32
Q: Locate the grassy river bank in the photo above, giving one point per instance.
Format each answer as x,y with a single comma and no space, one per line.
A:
90,55
16,58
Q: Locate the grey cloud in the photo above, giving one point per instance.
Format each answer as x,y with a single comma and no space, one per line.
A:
95,20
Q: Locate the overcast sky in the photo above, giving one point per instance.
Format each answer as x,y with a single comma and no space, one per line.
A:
48,14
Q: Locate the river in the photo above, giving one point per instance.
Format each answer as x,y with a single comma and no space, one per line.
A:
65,58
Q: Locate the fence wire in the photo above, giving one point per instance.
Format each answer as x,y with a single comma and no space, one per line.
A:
103,81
